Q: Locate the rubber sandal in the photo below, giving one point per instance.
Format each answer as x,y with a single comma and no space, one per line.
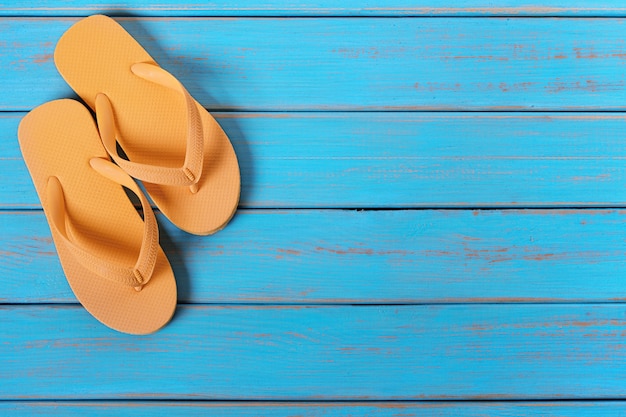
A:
111,258
172,144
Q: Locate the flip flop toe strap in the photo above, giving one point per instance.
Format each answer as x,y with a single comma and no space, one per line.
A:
187,175
135,276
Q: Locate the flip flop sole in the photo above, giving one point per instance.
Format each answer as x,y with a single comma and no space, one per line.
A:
95,56
58,139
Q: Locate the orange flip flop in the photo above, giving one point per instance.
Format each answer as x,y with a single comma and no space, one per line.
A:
172,144
111,258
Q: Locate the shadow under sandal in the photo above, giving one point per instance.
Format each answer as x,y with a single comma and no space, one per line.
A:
110,256
172,144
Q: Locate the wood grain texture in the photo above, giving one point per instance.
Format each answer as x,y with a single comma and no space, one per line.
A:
168,8
343,160
336,256
352,64
312,409
313,353
471,305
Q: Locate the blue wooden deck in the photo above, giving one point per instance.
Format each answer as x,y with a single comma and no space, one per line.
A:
432,221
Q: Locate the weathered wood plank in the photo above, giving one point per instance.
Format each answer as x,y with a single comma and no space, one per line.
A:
328,160
344,63
316,8
309,353
336,256
321,409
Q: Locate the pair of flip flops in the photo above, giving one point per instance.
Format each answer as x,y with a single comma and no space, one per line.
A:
110,255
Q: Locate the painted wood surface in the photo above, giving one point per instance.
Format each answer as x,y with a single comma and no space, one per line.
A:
313,409
333,256
313,353
316,8
382,160
326,114
352,64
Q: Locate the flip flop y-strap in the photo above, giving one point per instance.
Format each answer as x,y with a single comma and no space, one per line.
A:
187,175
135,276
